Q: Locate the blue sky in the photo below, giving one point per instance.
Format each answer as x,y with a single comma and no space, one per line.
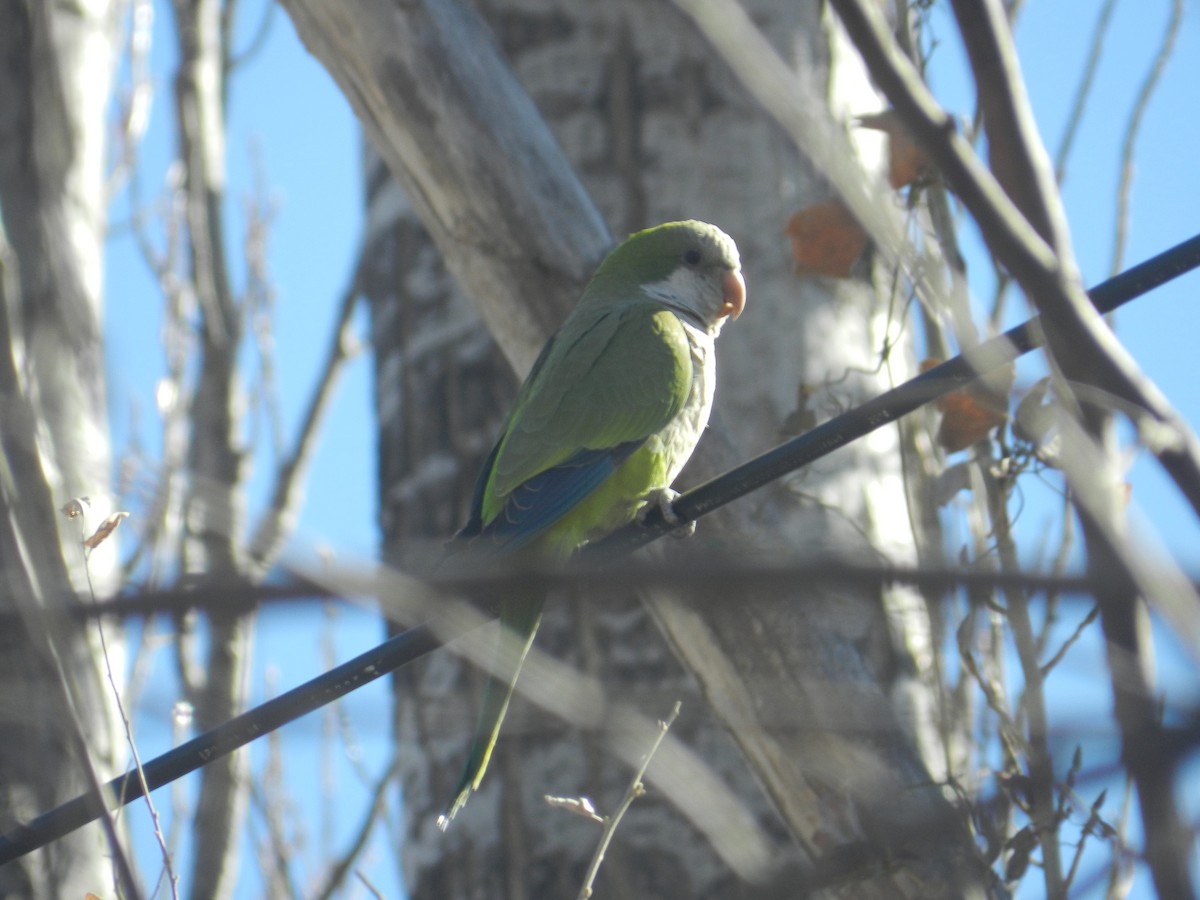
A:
287,116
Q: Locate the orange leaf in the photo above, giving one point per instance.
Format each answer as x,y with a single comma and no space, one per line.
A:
969,413
965,420
907,162
826,240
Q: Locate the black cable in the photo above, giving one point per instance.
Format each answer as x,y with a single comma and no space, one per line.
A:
237,732
416,642
891,405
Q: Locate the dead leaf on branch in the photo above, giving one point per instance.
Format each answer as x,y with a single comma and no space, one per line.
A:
579,806
826,240
972,412
907,162
107,527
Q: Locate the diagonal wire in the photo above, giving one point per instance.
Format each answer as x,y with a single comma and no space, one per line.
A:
891,405
422,639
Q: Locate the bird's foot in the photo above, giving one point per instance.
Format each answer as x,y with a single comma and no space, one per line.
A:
664,501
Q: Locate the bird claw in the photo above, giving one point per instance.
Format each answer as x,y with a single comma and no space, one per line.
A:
664,501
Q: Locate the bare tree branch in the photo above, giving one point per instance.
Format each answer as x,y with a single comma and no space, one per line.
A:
1083,90
280,516
1033,699
212,511
488,180
1080,344
1133,127
1014,153
342,867
1095,359
636,789
1020,164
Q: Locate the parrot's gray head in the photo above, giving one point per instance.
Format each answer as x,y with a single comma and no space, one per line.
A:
691,267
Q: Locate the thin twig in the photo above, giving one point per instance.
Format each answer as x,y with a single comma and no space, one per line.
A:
1082,91
268,794
375,892
257,306
136,96
1080,336
172,878
1125,186
636,789
159,524
279,519
1089,828
262,31
1033,700
95,803
342,866
1120,874
1075,635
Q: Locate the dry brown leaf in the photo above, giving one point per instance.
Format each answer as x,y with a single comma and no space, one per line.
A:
971,412
107,527
579,806
907,162
826,240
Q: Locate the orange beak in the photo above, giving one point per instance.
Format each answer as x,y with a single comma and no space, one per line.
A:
735,295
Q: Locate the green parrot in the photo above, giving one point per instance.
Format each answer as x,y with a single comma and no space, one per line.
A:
609,414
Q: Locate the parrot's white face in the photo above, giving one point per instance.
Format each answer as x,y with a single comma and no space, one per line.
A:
702,295
691,268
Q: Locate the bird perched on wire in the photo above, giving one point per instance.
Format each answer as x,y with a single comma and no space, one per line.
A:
607,417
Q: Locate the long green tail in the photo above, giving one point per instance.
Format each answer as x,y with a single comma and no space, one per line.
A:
519,623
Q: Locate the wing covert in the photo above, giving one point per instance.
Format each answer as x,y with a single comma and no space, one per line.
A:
601,391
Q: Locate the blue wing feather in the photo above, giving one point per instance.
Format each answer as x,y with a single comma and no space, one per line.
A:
475,517
541,501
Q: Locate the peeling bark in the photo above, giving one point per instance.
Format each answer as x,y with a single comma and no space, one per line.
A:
56,62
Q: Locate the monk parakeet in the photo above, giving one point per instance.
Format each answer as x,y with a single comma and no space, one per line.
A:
609,414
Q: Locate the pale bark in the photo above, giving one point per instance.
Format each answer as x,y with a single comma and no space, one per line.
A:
438,103
57,61
658,130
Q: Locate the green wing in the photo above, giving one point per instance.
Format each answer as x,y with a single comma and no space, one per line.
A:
606,384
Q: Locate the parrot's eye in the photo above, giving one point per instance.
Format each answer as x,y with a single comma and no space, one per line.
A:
692,257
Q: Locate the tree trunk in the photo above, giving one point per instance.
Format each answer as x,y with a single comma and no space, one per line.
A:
57,62
658,129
